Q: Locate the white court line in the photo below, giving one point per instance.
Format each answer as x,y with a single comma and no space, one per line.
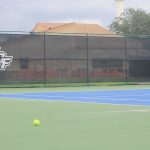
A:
124,111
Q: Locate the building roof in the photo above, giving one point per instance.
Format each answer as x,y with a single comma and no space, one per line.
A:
71,28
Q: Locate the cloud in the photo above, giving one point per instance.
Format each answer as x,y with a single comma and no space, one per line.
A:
23,14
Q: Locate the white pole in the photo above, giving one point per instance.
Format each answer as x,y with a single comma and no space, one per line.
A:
120,7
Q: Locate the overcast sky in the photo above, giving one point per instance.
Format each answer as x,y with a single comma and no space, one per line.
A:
24,14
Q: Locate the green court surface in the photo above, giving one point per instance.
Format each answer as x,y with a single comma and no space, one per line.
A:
77,88
72,125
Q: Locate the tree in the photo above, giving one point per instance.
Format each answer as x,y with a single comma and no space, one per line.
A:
132,21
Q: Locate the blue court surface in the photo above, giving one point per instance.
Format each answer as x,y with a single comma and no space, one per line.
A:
118,97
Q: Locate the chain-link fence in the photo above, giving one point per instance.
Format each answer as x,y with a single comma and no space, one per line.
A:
44,59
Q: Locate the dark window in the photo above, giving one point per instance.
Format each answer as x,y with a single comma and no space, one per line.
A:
24,63
139,68
107,64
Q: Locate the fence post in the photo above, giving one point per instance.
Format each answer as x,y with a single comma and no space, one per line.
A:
126,62
44,61
87,57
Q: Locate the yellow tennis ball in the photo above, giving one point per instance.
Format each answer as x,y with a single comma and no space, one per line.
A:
36,122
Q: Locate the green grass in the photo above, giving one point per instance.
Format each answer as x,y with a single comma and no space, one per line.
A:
72,126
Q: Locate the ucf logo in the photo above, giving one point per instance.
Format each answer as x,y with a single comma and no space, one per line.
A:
4,60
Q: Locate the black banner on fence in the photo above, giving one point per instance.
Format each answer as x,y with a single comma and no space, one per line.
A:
66,59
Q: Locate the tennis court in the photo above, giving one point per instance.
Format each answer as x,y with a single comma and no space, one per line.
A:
75,118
